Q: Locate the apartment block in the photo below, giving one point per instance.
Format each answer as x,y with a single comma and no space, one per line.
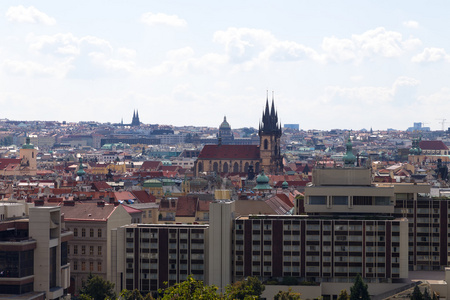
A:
148,255
318,249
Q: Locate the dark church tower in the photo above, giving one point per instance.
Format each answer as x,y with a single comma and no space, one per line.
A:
135,121
269,136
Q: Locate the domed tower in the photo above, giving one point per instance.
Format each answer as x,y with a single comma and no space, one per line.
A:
269,136
28,155
225,133
349,157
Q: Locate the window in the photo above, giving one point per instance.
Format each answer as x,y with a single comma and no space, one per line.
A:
75,249
83,250
99,233
91,232
99,250
75,232
91,266
83,232
68,249
99,266
318,200
75,265
91,250
83,266
340,200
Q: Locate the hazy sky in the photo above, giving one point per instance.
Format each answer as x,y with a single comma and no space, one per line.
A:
331,64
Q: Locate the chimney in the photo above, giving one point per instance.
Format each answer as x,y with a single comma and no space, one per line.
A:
101,203
69,203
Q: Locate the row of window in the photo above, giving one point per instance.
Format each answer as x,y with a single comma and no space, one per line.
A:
83,250
91,232
82,266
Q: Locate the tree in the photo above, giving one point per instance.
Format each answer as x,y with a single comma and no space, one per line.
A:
97,288
289,295
426,295
131,295
359,290
250,288
343,295
190,289
417,294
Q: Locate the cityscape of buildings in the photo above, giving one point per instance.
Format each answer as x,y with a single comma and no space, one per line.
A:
141,205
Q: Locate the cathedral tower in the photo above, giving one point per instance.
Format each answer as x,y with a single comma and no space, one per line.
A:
269,136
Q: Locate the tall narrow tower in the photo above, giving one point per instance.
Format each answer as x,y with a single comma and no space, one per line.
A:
269,136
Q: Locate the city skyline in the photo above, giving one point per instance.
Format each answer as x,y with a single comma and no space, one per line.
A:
352,64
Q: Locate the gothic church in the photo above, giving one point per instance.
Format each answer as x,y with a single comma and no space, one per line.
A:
222,158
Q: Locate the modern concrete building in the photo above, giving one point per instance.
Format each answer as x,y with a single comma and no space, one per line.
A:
148,255
33,256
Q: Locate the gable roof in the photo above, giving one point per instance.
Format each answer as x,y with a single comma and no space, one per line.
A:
432,145
230,152
83,211
152,165
4,162
186,206
144,197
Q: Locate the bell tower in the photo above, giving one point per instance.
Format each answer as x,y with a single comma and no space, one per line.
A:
269,136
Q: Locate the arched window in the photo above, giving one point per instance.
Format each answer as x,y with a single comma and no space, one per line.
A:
225,167
246,167
200,167
236,167
216,167
257,168
266,144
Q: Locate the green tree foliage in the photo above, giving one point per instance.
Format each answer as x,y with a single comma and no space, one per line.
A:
97,288
343,295
131,295
289,295
417,294
426,295
359,290
190,289
250,288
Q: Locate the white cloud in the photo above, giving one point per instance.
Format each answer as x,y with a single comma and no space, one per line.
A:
33,69
370,95
411,24
22,14
376,42
431,55
150,18
180,54
251,47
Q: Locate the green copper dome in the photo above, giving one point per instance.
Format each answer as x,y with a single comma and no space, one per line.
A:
349,157
262,182
285,185
80,171
225,124
27,144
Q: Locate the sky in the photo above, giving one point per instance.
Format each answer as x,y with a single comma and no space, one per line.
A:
328,64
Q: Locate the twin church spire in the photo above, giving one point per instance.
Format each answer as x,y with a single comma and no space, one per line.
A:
269,123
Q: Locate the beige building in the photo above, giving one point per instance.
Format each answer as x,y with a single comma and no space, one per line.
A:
90,250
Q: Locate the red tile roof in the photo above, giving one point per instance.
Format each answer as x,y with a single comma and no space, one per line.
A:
432,145
100,185
186,206
230,152
87,211
131,210
4,162
144,197
150,165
